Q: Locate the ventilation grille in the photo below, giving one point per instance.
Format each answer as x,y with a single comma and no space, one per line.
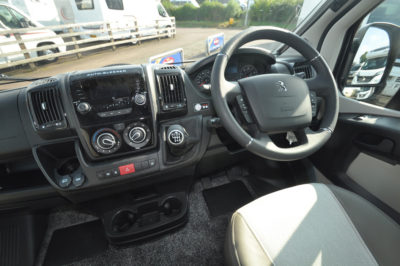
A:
43,81
168,67
172,92
47,109
304,71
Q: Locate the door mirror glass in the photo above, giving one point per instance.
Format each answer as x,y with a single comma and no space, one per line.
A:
370,59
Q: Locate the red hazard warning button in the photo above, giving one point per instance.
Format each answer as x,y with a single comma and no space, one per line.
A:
127,169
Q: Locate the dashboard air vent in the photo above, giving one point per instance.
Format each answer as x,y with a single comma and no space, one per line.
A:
47,109
303,71
172,92
168,67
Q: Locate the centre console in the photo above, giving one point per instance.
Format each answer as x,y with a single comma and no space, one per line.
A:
114,112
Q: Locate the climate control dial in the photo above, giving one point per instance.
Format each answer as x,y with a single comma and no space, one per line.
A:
137,135
106,141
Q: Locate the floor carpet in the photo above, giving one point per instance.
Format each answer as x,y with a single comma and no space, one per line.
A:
200,242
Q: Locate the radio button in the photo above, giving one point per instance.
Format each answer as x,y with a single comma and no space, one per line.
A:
140,99
83,108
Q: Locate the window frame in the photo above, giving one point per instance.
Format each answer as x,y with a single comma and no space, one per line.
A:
343,65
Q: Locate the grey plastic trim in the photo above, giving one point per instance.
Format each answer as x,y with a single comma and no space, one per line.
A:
351,106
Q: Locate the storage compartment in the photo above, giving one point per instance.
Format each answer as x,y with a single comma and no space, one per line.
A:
61,165
23,185
146,219
20,175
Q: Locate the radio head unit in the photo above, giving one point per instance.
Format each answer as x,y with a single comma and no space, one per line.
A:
103,95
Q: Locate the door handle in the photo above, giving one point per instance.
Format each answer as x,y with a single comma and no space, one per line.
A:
384,146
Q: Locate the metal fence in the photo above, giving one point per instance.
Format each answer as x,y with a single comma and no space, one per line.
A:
80,37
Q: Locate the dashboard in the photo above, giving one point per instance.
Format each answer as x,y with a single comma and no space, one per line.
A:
139,124
245,63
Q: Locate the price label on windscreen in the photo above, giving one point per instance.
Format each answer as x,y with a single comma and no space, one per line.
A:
174,57
215,42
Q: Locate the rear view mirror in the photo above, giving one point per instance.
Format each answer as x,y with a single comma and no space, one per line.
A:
370,60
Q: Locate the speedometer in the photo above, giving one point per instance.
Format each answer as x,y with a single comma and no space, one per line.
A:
203,78
248,71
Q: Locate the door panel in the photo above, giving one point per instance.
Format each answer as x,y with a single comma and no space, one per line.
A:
363,155
379,178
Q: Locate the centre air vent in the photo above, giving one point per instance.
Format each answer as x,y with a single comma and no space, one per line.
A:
303,71
168,67
171,91
47,111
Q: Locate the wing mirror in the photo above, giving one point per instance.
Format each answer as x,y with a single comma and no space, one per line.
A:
373,61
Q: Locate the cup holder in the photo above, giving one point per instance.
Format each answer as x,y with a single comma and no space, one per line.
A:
123,221
171,207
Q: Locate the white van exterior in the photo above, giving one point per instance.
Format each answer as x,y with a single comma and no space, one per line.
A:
13,18
121,12
42,11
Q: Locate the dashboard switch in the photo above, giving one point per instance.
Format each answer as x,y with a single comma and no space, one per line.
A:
127,169
197,107
152,162
78,180
114,172
145,164
65,181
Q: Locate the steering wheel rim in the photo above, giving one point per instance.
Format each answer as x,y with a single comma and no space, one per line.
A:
323,84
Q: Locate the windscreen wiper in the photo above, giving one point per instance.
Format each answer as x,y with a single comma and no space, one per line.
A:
10,80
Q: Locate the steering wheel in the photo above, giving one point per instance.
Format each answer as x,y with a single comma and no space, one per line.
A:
277,103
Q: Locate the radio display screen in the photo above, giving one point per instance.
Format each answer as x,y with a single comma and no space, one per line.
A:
104,90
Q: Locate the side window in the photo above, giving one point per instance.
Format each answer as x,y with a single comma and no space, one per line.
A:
8,18
370,59
23,21
84,4
115,4
161,11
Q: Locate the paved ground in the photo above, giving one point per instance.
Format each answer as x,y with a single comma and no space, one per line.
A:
192,40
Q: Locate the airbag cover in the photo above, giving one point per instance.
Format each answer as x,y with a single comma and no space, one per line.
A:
279,102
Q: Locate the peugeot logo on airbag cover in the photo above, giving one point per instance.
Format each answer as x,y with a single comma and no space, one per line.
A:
281,86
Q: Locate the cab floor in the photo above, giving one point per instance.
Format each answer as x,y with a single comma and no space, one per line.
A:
199,242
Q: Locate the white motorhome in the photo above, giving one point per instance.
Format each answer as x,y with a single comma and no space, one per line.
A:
42,11
372,69
122,13
393,81
13,18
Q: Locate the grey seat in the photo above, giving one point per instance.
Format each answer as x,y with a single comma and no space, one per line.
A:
312,224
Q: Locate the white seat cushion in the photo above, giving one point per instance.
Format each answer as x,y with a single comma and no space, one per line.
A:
302,225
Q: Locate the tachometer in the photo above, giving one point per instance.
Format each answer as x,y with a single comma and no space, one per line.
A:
248,71
203,78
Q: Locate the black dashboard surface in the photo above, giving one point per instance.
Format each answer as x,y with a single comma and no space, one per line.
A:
62,121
